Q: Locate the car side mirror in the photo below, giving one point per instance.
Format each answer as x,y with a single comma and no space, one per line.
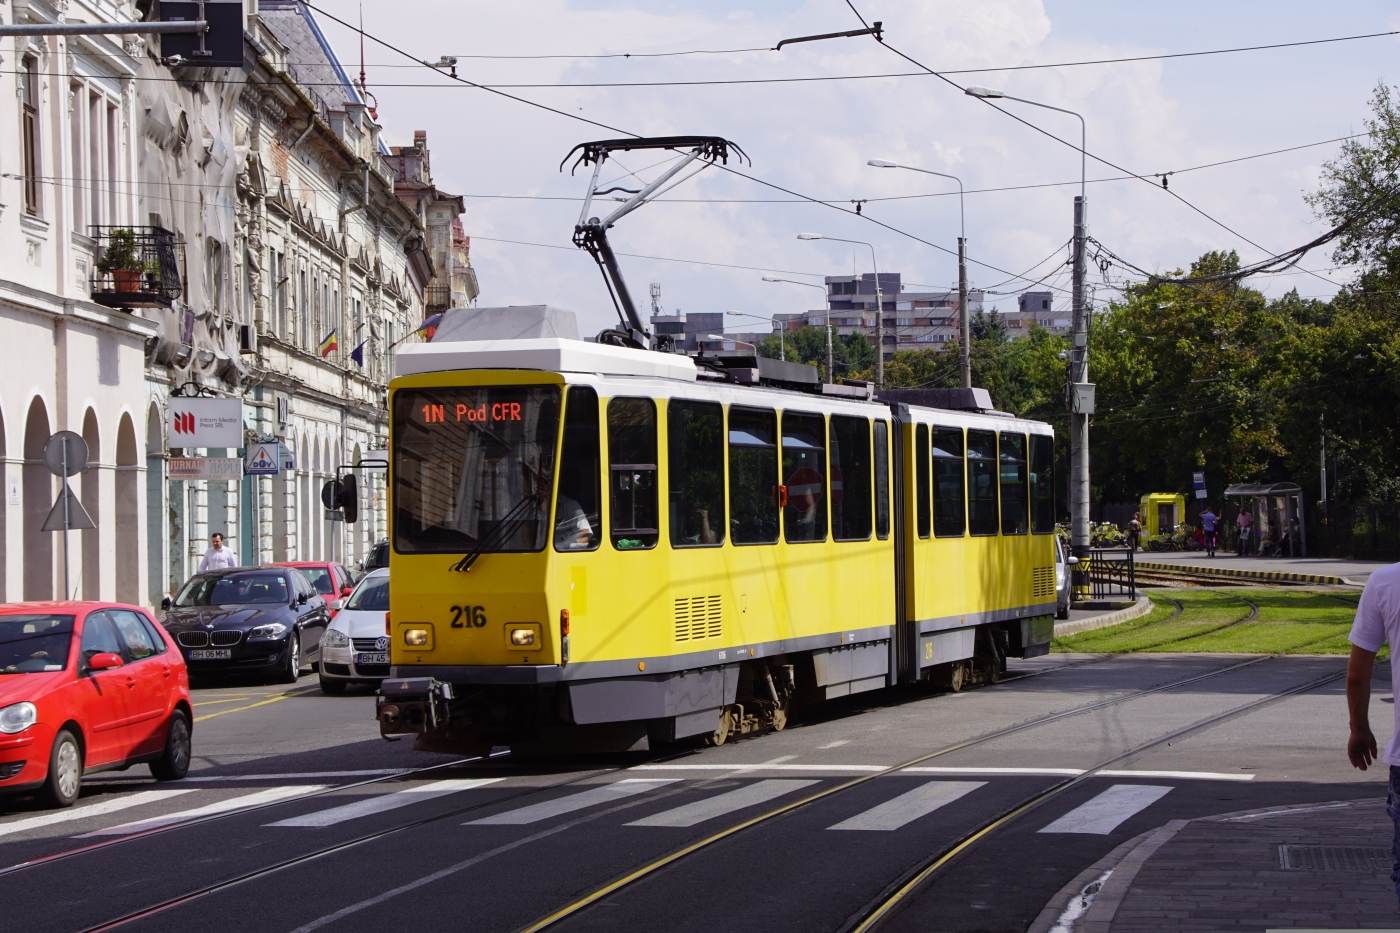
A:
345,590
104,661
166,602
1071,561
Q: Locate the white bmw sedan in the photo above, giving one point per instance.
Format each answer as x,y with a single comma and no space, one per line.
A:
355,648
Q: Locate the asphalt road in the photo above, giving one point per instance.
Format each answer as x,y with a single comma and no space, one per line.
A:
298,817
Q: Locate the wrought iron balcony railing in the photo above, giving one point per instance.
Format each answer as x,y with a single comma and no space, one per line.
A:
137,267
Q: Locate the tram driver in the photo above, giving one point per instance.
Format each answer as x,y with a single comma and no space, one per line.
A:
572,530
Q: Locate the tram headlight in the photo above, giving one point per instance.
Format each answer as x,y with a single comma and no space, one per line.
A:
524,636
419,637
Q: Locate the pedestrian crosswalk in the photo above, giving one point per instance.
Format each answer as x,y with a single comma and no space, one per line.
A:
630,804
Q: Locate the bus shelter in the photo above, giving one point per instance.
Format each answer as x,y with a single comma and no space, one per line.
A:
1277,510
1162,512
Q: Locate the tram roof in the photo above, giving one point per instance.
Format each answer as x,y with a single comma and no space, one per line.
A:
546,354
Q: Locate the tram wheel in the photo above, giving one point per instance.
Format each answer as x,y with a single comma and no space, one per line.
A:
957,676
724,726
780,718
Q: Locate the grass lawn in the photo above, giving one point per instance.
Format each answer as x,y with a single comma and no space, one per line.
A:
1287,621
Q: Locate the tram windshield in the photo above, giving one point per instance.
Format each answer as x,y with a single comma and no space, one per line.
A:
473,466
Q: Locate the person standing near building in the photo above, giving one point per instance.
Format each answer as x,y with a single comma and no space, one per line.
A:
1377,622
1135,531
217,557
1243,522
1208,522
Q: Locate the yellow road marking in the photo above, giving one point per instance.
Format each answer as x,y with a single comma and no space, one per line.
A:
246,696
276,698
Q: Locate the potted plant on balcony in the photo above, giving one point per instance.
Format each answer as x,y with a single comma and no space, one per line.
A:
121,260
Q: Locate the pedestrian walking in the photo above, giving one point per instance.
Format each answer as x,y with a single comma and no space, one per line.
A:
217,557
1135,531
1243,522
1208,522
1377,622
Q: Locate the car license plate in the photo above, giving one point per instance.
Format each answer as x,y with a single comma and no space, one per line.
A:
374,657
211,654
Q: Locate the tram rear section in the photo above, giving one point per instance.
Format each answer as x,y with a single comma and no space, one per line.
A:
609,544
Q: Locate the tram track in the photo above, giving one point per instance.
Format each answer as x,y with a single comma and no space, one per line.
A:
280,865
896,895
656,865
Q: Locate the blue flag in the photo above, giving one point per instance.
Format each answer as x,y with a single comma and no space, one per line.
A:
358,354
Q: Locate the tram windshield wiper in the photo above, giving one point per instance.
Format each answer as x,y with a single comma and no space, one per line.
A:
502,530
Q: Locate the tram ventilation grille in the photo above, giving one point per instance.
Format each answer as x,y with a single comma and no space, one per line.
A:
699,617
1043,582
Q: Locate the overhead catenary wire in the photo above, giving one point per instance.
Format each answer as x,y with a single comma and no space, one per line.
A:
1083,151
614,129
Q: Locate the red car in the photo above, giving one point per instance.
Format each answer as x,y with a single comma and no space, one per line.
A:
88,686
331,580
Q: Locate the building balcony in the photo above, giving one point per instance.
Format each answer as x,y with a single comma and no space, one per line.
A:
437,298
137,267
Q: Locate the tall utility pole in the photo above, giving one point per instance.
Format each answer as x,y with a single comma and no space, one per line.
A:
964,325
1081,403
879,302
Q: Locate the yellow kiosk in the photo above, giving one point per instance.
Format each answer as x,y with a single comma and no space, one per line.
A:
1162,512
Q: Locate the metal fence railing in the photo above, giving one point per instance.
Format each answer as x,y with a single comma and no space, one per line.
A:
1111,573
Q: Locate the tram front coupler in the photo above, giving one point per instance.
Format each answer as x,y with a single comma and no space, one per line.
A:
413,706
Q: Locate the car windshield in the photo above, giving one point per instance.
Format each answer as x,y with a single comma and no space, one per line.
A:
463,458
320,578
371,596
234,589
34,643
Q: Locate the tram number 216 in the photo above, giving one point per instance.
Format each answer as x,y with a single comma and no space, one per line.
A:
468,616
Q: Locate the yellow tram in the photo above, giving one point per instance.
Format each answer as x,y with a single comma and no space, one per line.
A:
593,536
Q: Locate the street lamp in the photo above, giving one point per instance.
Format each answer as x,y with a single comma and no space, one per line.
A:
830,370
721,338
1081,391
782,344
964,324
879,302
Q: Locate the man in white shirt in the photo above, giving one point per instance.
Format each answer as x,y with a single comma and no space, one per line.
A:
217,557
1377,622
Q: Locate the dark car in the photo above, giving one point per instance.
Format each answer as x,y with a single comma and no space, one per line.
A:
378,557
265,618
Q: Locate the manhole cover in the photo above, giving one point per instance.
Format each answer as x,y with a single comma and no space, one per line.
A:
1366,859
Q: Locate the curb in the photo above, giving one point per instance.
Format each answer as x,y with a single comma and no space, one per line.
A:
1117,870
1140,608
1283,576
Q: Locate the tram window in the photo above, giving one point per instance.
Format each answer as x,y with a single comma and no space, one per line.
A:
753,475
1014,518
804,473
982,482
695,459
882,480
1042,484
921,478
577,518
949,509
632,472
850,478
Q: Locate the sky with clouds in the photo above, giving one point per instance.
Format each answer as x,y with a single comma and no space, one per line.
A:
815,137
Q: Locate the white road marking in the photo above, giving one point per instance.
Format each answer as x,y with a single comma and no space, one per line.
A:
1182,775
1103,814
108,805
572,803
760,767
288,776
1285,811
1068,772
779,760
910,805
723,804
242,801
379,804
837,744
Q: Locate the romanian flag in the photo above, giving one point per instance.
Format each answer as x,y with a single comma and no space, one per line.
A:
429,325
328,344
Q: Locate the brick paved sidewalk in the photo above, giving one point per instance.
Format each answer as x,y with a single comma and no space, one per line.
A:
1317,866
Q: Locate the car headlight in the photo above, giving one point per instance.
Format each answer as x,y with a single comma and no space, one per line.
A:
335,638
267,632
17,717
